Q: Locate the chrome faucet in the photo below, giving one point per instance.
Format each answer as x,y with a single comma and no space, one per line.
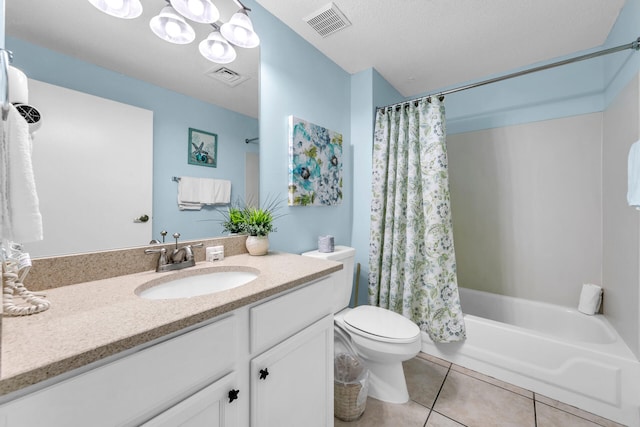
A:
179,258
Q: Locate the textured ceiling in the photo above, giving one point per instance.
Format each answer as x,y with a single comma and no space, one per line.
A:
424,45
416,45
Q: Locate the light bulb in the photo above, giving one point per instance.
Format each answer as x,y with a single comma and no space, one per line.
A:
240,34
115,4
196,7
217,49
172,28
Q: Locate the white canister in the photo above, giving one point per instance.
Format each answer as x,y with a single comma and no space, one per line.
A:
214,253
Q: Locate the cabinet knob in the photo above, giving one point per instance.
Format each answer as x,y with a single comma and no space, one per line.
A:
264,373
233,395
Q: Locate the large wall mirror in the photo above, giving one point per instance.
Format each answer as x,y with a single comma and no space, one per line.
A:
163,87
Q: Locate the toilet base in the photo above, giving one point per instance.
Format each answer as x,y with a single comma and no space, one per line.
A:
387,382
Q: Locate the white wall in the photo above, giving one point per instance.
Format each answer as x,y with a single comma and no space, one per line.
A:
526,208
621,226
93,168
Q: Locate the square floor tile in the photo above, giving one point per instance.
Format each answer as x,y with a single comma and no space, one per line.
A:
494,381
424,380
434,359
576,411
382,414
439,420
548,416
476,403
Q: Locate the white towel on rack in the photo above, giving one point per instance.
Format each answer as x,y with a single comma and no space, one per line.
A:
194,193
20,218
633,176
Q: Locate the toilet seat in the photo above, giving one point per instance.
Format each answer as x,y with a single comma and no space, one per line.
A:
381,325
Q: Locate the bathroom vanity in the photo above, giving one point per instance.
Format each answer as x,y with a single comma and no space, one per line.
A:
257,355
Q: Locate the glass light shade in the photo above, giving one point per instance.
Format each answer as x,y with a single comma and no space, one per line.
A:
239,30
203,11
126,9
171,26
216,49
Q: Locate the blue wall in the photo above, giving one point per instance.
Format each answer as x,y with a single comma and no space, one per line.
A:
368,90
173,115
296,79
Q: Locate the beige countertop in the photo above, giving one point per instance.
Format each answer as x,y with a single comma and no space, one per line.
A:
90,321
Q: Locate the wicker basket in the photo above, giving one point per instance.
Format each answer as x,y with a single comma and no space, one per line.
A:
350,387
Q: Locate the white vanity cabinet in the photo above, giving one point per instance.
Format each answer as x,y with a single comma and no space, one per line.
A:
292,381
134,388
191,378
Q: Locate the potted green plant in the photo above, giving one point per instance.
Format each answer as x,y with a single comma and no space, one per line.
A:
258,223
233,217
233,220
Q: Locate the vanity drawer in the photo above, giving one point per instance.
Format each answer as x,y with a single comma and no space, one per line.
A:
132,389
280,318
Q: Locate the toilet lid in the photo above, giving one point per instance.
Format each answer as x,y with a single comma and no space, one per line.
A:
381,323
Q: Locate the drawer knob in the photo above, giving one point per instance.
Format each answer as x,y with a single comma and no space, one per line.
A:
233,395
264,373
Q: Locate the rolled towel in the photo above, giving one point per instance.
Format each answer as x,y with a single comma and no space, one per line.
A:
590,299
633,176
325,244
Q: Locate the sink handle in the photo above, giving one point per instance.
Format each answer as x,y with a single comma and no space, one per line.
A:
264,373
233,395
162,260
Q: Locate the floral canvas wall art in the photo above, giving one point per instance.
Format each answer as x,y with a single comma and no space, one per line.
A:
315,164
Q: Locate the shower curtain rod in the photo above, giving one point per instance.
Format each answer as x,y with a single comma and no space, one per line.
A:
635,45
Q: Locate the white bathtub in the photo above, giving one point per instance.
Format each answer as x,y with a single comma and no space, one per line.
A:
552,350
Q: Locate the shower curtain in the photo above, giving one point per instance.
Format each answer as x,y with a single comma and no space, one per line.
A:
412,265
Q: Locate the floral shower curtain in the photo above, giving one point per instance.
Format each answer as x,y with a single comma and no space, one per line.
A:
412,265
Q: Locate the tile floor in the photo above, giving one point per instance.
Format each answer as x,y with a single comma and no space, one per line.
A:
447,395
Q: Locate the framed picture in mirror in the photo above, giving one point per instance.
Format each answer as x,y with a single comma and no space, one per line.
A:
203,148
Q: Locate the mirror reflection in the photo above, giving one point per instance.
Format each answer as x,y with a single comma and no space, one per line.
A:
119,105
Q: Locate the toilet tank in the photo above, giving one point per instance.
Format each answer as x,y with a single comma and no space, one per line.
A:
344,284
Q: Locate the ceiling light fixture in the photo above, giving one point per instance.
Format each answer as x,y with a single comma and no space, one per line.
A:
202,11
216,49
126,9
239,30
170,25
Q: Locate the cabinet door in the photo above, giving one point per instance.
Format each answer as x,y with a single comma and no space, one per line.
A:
214,406
292,383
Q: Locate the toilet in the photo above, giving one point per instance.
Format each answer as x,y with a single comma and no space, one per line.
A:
382,338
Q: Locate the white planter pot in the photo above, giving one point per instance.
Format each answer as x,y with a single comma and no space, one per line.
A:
257,245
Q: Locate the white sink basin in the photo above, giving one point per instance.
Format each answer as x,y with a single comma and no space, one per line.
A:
201,284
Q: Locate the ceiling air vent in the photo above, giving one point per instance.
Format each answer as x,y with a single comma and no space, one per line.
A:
227,76
327,20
